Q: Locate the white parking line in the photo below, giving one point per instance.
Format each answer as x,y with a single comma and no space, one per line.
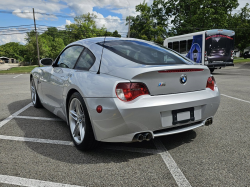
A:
61,142
30,182
172,166
37,140
167,158
38,118
6,120
132,149
235,98
17,76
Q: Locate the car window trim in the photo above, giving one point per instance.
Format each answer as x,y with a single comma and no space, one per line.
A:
80,56
58,57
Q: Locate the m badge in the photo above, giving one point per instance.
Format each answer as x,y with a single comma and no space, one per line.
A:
162,84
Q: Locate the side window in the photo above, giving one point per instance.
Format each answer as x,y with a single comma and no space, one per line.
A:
170,45
68,58
176,46
183,47
86,60
189,44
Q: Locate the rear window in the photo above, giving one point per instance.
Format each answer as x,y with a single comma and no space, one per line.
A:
144,53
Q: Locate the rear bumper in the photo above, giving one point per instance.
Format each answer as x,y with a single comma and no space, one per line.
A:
220,64
120,121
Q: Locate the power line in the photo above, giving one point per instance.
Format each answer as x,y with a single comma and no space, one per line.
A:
17,26
57,15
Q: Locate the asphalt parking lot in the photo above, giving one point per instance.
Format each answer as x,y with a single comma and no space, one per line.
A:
36,148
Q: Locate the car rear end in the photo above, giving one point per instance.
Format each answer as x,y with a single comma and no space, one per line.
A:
219,48
157,100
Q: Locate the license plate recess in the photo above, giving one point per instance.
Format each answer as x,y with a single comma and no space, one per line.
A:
183,110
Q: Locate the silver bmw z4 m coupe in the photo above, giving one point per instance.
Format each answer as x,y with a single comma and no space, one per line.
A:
124,90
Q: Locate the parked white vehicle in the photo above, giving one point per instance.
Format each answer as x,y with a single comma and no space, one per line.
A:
213,48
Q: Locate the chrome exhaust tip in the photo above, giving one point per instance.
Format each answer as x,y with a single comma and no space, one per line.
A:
147,136
209,121
139,137
142,136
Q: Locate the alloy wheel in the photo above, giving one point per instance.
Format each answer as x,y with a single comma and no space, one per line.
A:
77,120
33,92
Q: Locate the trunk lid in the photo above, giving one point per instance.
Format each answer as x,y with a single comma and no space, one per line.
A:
165,80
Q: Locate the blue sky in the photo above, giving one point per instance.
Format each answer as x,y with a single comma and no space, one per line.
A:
110,13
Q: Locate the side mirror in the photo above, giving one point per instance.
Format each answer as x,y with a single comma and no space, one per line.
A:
46,61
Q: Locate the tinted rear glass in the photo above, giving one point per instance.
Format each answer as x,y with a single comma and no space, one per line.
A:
144,53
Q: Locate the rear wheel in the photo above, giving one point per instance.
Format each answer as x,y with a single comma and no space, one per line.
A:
34,96
211,70
79,123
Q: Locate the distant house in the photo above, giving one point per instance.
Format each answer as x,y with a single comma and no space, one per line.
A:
237,51
8,60
12,60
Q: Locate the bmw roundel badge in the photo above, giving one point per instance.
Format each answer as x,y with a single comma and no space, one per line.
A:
183,79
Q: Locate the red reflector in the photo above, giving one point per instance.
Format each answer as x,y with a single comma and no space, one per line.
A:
129,91
99,108
179,70
211,83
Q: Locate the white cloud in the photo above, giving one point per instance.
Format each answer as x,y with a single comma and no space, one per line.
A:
68,22
112,23
12,35
124,7
23,8
29,15
46,6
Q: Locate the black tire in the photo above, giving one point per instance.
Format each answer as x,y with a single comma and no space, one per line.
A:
211,70
88,142
34,96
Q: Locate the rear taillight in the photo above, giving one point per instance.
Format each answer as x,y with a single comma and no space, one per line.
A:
211,83
129,91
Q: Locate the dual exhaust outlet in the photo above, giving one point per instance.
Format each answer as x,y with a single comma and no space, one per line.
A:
209,121
143,136
148,136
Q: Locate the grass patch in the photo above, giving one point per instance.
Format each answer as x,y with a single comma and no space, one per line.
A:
22,69
241,60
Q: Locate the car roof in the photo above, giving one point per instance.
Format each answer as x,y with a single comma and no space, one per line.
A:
89,41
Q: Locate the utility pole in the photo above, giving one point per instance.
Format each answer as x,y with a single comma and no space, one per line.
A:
129,27
37,46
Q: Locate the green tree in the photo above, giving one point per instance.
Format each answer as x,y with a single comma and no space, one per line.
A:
151,23
116,34
141,25
53,41
241,23
85,27
13,50
57,46
196,15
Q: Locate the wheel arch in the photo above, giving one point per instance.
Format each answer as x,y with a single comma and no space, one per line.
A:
70,92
